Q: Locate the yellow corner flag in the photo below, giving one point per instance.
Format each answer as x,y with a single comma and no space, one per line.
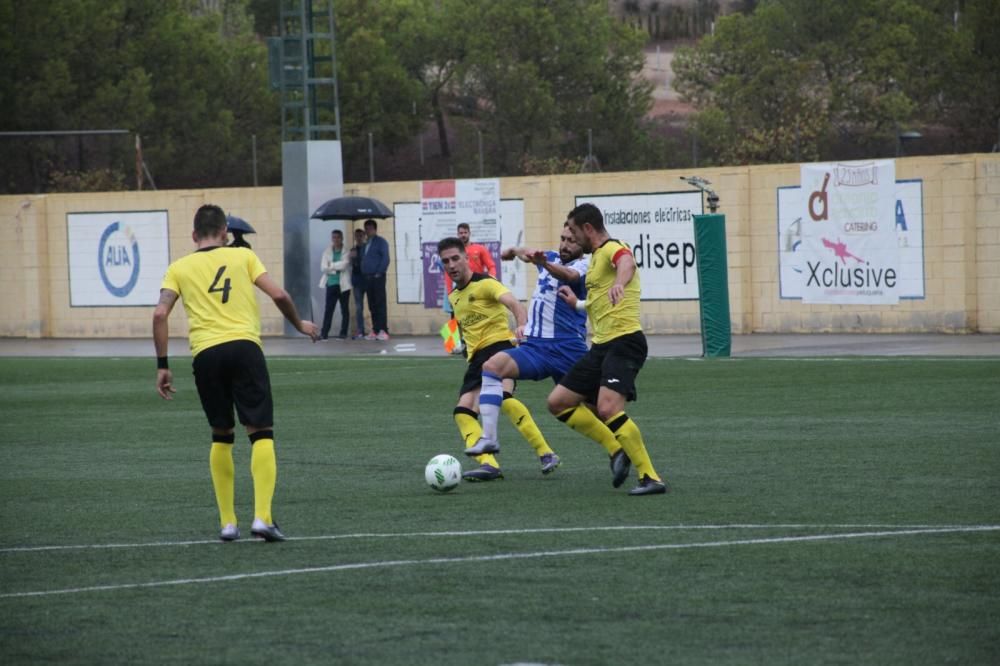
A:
449,332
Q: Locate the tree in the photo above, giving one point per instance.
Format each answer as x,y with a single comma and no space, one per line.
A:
971,78
55,78
191,82
377,93
532,76
794,75
545,73
190,77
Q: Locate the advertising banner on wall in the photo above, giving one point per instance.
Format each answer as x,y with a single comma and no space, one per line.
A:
444,204
908,228
117,259
849,244
416,249
659,228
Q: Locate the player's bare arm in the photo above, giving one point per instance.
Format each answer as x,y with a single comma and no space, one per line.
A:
540,258
520,313
527,255
522,253
161,337
624,272
561,273
286,305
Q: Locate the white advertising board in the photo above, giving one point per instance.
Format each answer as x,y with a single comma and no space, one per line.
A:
117,259
659,228
849,240
412,231
909,228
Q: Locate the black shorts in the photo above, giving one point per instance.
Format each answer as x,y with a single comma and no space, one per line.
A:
234,373
474,374
613,364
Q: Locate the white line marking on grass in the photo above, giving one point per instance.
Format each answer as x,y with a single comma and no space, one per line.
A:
868,359
473,533
501,557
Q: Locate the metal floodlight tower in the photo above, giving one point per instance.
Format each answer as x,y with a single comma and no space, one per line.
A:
703,185
304,70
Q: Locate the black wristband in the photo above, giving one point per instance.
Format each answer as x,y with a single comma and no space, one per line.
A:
161,363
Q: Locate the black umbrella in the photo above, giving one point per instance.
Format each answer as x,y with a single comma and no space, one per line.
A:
352,208
239,224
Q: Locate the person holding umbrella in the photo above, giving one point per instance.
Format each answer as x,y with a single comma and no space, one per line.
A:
358,282
239,227
373,254
374,263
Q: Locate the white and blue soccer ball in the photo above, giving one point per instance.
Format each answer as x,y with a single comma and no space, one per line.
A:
443,473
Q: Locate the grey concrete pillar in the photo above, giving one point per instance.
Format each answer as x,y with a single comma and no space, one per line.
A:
312,172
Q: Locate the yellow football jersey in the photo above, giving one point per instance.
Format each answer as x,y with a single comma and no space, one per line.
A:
608,321
217,287
480,313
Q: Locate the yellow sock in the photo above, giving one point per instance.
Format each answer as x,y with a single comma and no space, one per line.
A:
628,435
220,461
264,469
519,415
583,421
470,430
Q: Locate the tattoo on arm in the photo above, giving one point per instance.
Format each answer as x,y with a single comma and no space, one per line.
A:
167,298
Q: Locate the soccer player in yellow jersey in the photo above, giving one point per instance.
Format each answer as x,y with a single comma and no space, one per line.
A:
217,285
480,304
605,376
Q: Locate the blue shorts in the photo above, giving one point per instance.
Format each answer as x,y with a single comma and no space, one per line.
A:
538,358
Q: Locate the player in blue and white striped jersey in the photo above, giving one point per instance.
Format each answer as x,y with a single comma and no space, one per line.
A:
555,338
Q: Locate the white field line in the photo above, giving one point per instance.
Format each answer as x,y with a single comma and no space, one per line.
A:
474,533
882,358
502,557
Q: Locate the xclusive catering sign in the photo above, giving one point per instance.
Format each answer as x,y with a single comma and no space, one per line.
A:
850,250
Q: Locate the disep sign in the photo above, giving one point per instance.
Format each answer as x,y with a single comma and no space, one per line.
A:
659,228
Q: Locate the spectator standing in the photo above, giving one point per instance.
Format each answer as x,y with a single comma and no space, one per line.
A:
374,264
335,267
358,280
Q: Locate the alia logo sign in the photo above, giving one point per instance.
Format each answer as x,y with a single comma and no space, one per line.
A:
117,259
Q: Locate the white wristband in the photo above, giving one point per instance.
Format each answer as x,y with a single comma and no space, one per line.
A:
581,306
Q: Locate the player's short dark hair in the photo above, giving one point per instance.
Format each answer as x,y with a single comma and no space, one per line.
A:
463,225
210,220
451,242
587,213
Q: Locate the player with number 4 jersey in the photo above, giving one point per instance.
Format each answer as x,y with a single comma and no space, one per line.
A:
217,285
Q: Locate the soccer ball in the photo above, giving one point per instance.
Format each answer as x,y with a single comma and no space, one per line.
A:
443,473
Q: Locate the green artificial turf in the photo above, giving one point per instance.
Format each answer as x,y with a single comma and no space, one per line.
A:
814,518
